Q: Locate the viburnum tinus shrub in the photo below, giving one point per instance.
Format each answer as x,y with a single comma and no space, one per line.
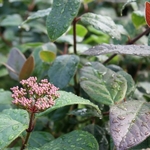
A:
121,107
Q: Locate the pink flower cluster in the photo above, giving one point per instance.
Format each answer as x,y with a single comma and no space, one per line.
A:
35,97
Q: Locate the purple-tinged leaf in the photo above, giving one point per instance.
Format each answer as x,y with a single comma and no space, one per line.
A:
130,123
140,50
15,62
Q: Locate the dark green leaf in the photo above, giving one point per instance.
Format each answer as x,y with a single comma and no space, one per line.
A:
27,68
61,16
138,18
63,69
130,82
100,135
130,123
114,68
47,56
39,138
140,50
103,23
76,140
102,84
67,98
12,123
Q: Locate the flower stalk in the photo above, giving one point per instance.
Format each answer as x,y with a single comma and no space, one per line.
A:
34,97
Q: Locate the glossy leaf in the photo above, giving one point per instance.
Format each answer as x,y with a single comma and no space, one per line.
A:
12,123
68,98
38,14
75,140
147,13
9,20
138,19
27,68
39,138
102,84
62,70
140,50
15,61
62,11
130,82
130,123
99,133
47,56
103,23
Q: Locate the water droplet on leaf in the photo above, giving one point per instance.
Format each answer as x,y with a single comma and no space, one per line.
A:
10,137
15,127
121,117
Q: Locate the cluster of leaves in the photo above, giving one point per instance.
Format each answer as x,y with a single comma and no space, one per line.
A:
104,88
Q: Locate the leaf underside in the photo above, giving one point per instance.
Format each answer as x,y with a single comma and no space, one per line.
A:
139,50
130,123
